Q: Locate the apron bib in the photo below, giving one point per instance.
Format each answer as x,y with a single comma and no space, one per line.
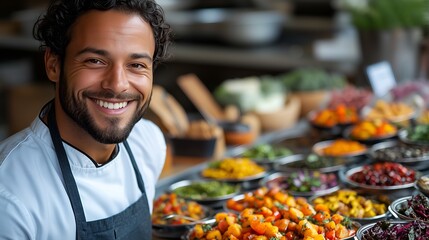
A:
132,223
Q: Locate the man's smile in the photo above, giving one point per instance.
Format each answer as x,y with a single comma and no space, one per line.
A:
111,105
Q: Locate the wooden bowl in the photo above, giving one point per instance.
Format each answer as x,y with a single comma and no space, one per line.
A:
281,119
311,100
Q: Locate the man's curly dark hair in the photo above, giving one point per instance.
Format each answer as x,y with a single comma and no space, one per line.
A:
53,28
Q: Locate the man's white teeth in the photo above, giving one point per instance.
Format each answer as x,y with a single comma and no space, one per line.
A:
110,105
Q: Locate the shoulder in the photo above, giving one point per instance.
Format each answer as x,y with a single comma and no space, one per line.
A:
148,133
19,147
15,220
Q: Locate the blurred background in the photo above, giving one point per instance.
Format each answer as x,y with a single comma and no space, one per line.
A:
219,40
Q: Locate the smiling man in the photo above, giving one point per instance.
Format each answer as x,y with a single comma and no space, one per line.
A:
86,167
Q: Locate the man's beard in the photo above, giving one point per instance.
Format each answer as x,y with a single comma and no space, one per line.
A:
77,111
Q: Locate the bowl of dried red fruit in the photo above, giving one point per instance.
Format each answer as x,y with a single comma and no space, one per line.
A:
393,179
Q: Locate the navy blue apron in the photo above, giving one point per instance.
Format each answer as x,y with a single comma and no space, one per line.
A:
132,223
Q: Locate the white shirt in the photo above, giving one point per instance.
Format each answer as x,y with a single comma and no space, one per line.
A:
33,201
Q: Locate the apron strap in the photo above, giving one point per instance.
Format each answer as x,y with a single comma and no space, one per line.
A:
136,169
69,181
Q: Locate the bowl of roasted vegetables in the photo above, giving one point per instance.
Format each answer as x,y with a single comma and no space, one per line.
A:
206,192
303,183
394,230
333,119
273,198
411,208
410,155
388,178
276,220
349,203
173,216
371,131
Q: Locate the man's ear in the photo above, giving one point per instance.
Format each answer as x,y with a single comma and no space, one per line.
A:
52,65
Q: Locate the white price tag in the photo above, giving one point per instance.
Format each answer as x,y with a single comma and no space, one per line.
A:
381,78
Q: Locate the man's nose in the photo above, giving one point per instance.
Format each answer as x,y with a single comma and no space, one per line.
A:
116,79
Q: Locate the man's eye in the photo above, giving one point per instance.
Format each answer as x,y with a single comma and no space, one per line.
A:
94,61
137,65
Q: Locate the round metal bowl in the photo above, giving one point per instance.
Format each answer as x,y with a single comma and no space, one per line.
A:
248,182
170,5
393,192
403,136
206,200
299,162
397,120
355,225
237,198
422,185
398,204
175,231
363,229
269,182
255,177
318,149
266,162
362,221
334,130
368,141
244,27
417,163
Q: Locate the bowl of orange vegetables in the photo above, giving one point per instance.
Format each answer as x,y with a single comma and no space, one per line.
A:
371,131
333,119
399,113
266,220
340,148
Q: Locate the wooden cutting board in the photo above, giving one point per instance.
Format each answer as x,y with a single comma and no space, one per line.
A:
201,97
171,114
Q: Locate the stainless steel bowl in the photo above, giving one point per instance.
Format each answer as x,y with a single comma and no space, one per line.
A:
403,136
368,141
266,162
299,162
281,176
243,27
170,5
417,163
397,205
175,231
393,192
363,229
207,200
422,185
318,149
362,221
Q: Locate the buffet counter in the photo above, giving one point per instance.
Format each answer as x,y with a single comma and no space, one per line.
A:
188,169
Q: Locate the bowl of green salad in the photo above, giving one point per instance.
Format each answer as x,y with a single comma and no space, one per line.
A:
267,154
207,192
